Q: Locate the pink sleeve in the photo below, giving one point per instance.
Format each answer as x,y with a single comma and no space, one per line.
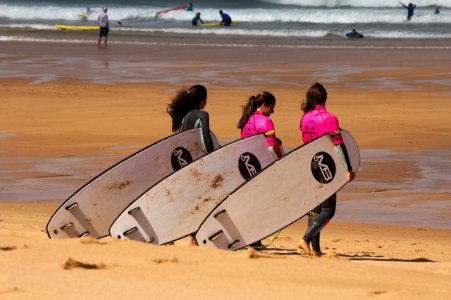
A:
266,126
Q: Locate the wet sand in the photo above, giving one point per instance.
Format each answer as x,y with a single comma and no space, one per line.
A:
69,111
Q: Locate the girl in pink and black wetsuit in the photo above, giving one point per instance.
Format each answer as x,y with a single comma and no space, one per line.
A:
316,122
255,120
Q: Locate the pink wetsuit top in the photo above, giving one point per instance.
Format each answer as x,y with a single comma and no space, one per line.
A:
259,123
317,122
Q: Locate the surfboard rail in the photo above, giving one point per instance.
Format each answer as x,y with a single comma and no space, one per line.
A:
174,208
92,208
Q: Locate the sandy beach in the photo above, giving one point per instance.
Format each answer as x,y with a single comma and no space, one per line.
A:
69,111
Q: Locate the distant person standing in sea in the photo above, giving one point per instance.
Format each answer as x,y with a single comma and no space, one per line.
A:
102,20
437,10
226,19
410,8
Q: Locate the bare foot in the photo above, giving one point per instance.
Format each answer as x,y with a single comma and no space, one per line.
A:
304,246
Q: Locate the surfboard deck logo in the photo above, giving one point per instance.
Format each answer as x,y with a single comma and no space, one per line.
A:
180,157
323,167
249,165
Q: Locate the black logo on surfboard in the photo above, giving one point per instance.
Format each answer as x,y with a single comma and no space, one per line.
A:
249,165
323,167
180,157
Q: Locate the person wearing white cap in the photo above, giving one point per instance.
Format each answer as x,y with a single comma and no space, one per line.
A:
104,25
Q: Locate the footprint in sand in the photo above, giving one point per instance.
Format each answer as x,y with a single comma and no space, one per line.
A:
69,264
12,248
165,260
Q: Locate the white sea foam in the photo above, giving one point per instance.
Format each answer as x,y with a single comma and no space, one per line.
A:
357,3
329,16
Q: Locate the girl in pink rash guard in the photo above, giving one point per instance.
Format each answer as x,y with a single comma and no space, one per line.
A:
316,122
255,120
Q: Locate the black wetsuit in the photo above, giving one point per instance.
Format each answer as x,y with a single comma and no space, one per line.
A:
318,218
199,119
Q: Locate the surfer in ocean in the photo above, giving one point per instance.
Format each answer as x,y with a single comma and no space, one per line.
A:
316,122
196,20
226,20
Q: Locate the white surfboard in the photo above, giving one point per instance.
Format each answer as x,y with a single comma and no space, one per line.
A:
92,209
279,195
175,207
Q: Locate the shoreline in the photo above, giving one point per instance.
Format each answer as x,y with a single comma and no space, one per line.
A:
69,112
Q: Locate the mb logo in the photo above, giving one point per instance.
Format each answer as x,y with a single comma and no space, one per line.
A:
249,165
323,167
180,157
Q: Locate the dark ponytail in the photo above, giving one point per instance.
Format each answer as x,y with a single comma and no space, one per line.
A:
315,95
252,104
183,102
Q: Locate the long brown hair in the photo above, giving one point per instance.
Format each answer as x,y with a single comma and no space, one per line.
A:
253,103
183,102
315,95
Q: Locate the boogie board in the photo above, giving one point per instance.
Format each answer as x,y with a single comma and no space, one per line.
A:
279,195
77,27
175,207
92,209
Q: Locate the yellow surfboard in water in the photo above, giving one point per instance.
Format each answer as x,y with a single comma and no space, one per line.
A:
77,27
217,24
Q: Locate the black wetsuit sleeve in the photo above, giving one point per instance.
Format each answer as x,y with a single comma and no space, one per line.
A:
208,142
346,157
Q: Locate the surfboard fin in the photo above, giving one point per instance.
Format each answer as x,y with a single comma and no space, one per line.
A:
131,230
219,214
132,211
71,206
150,240
64,227
215,236
83,234
234,243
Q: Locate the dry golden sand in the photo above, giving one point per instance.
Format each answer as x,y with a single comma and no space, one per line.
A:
75,118
363,262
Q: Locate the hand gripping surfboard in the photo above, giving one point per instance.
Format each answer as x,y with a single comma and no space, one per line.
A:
92,209
279,195
175,207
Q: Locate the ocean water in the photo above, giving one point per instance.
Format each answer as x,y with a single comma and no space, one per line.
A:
265,19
